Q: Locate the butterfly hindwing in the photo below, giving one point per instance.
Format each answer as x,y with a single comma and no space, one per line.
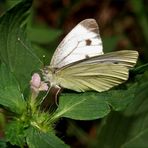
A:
99,77
98,73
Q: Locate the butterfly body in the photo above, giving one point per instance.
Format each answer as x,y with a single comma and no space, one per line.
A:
80,64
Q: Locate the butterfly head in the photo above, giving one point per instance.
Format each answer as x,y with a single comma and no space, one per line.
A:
49,75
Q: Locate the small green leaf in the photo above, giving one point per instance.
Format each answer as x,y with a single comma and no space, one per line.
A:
15,133
38,139
141,69
10,94
15,49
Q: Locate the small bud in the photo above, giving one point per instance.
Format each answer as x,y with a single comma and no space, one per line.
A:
36,80
43,86
38,85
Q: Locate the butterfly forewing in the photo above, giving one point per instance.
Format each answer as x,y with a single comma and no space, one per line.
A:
82,42
126,58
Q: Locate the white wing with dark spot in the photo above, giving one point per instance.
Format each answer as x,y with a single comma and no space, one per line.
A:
82,42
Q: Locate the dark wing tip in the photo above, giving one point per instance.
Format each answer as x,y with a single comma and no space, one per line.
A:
90,24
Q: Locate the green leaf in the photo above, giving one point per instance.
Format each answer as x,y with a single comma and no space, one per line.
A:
15,133
12,3
15,49
42,35
139,141
3,143
10,94
141,69
86,106
38,139
92,105
128,129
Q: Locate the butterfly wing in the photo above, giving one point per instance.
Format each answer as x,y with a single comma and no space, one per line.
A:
98,73
125,58
82,42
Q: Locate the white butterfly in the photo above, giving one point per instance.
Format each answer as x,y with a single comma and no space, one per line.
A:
79,63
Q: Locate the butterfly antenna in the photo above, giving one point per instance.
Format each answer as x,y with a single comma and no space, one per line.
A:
27,48
44,60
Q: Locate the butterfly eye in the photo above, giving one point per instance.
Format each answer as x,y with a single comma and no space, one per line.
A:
45,70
